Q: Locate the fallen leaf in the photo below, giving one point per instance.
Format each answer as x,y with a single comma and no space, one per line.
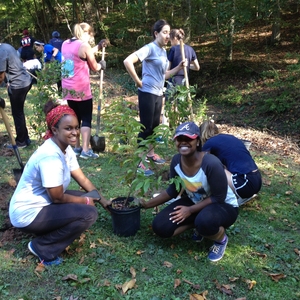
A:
167,264
201,296
70,277
262,255
103,243
81,260
93,245
132,272
277,277
266,182
81,239
233,279
196,297
195,286
177,283
40,268
106,283
128,285
227,288
251,283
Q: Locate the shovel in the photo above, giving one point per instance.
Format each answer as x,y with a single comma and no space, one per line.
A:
98,142
17,172
186,80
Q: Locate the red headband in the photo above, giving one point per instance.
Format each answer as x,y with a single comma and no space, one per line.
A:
55,115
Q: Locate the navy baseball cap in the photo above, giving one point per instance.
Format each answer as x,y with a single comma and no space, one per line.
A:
189,129
55,34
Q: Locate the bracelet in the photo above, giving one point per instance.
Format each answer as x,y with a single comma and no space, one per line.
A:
87,200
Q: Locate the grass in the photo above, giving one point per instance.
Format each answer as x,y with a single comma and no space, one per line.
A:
262,260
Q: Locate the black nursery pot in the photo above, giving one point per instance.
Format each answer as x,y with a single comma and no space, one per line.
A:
125,221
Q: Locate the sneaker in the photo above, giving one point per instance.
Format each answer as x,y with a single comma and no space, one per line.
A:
32,251
156,159
77,150
21,146
197,237
217,251
57,261
88,154
142,169
242,201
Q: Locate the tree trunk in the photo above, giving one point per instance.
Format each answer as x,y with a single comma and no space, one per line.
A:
230,34
275,37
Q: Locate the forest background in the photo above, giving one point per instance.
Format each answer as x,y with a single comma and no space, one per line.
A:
236,43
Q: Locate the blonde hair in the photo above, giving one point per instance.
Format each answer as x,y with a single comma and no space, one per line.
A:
80,29
208,129
177,33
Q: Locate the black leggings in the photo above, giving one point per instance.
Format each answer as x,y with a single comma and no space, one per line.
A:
150,109
83,111
207,221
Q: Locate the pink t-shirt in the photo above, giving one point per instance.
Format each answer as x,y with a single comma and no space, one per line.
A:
75,73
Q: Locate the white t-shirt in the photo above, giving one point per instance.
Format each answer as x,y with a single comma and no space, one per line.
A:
32,64
47,167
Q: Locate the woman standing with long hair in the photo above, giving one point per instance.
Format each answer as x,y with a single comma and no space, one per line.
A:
150,88
78,59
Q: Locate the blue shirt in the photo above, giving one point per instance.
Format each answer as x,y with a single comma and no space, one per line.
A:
48,52
175,58
56,42
232,153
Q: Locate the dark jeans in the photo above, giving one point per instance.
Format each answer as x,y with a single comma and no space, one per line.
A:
58,225
150,109
207,221
17,99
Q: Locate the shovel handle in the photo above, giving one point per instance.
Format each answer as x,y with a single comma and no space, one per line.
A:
186,80
184,68
100,94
